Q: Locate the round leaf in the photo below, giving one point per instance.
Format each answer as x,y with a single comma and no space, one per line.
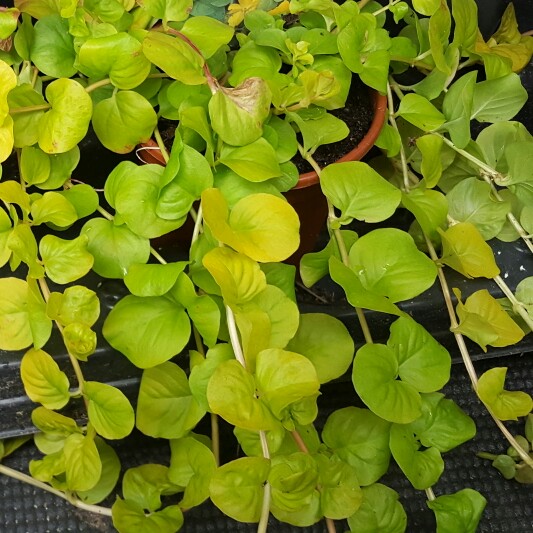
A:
237,488
43,381
375,372
114,248
65,125
326,342
15,330
123,121
110,412
148,331
506,405
83,466
388,263
359,192
166,407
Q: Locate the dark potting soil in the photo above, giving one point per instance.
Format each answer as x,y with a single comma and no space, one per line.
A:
357,114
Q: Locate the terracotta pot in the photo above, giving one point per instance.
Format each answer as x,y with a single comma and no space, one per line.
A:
306,197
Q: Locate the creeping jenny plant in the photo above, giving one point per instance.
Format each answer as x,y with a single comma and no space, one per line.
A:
219,334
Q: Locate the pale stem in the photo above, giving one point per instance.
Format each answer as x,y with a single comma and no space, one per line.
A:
483,166
237,349
197,225
215,438
385,8
15,474
97,85
468,361
430,494
104,213
363,3
157,255
510,217
29,109
517,306
161,145
392,120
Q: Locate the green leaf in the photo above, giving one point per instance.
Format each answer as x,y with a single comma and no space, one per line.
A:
43,381
80,340
237,114
53,208
465,250
430,209
237,488
108,477
252,223
238,276
207,34
83,466
423,362
430,147
129,516
65,261
426,7
25,125
517,156
356,293
506,405
5,232
294,480
340,495
284,378
34,165
77,304
388,263
483,319
389,139
524,294
65,125
123,121
380,511
49,421
168,10
23,244
457,108
40,324
110,412
118,56
252,60
458,512
422,468
201,373
145,485
318,336
61,167
354,188
153,280
255,161
11,192
15,329
83,197
361,439
192,465
114,248
325,129
439,33
420,112
471,201
499,99
314,266
174,57
148,331
52,49
231,394
375,372
443,424
166,407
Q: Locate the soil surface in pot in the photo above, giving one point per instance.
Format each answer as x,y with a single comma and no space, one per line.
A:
357,114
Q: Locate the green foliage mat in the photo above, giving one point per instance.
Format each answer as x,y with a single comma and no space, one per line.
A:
24,509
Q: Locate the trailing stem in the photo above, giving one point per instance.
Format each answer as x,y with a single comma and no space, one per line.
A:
467,359
15,474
